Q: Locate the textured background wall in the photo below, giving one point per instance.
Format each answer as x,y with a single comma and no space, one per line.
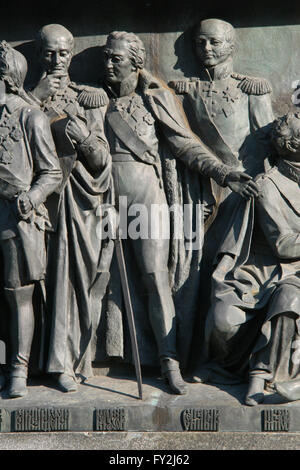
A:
268,46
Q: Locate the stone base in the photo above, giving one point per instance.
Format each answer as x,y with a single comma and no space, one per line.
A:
106,404
157,443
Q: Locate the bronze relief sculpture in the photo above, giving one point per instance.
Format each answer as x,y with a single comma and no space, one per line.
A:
255,295
249,328
231,113
127,143
30,172
140,104
77,276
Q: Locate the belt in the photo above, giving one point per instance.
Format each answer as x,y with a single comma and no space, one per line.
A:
124,157
10,191
127,157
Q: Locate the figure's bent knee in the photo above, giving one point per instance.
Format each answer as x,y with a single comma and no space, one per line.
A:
287,290
285,299
223,321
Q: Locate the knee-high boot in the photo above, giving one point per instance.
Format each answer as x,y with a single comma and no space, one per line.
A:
21,332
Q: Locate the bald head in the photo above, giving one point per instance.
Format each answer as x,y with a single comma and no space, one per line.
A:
215,41
55,45
52,32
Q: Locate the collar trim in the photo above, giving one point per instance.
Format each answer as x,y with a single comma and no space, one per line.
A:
290,170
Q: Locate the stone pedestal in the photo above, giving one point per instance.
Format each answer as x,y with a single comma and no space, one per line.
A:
106,413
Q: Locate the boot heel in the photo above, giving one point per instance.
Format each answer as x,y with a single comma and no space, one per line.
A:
18,387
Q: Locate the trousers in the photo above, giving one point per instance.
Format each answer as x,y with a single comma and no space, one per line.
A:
140,197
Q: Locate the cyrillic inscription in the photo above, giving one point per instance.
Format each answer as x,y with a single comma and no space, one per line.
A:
200,419
42,419
276,420
111,419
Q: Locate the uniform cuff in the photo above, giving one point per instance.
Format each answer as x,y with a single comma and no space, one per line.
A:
36,197
88,145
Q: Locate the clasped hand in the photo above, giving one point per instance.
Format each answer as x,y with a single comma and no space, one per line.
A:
24,204
76,129
242,184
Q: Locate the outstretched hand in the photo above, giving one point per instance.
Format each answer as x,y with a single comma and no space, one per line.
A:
242,184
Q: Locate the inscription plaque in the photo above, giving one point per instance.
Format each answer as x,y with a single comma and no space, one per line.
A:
41,419
111,419
276,420
200,419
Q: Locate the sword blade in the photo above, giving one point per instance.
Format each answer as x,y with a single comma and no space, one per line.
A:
129,313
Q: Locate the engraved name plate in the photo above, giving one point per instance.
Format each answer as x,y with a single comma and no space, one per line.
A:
111,419
276,420
41,419
200,419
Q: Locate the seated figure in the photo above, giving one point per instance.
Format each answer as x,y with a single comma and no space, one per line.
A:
254,318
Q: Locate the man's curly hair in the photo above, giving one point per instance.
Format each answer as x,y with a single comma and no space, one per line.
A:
13,66
286,130
136,47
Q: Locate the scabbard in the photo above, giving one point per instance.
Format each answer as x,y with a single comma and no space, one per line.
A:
129,313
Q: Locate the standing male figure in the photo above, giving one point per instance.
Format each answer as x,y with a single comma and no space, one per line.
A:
230,112
77,275
142,113
29,173
225,108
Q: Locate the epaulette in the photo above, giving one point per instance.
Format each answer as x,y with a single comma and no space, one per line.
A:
182,86
90,97
253,85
